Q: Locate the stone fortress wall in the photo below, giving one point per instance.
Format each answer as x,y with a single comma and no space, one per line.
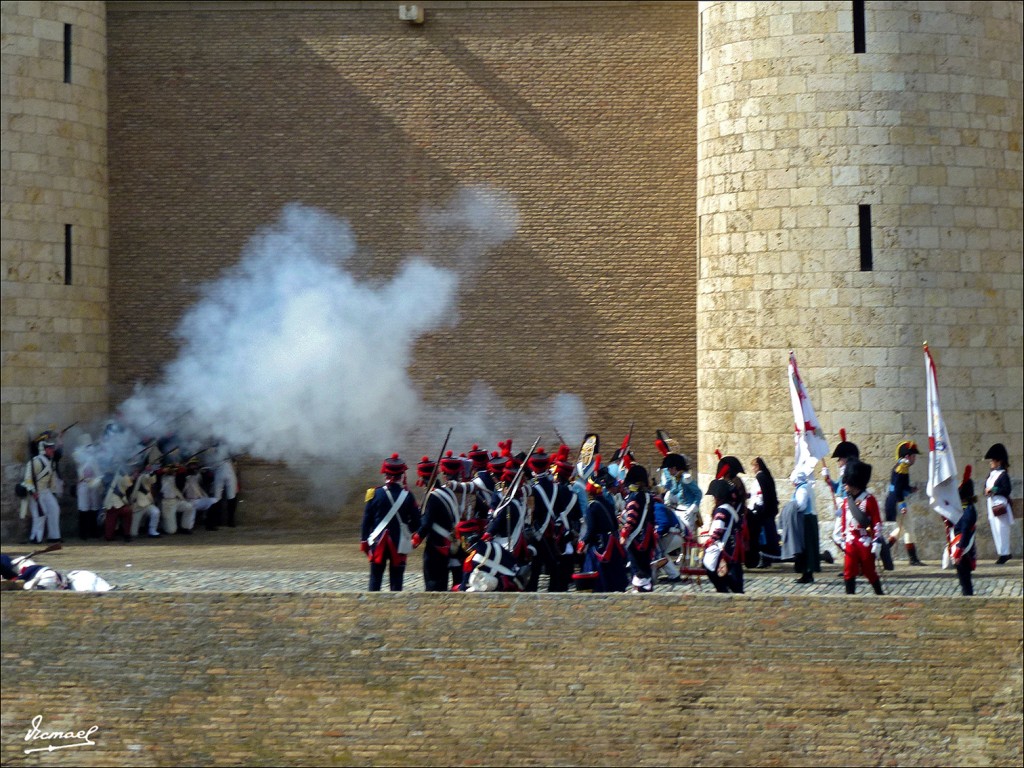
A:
56,333
797,133
627,152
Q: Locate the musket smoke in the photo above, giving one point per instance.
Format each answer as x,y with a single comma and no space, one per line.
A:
289,357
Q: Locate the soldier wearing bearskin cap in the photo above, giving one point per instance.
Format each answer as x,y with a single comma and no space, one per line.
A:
859,528
388,518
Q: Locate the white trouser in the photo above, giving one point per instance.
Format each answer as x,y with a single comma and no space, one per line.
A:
1001,526
201,504
90,497
154,520
669,545
169,509
45,511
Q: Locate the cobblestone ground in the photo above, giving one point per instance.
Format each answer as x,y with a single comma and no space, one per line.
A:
257,560
827,583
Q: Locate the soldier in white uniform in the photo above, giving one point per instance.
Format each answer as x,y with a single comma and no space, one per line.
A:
225,490
89,491
117,506
172,501
194,492
42,484
143,504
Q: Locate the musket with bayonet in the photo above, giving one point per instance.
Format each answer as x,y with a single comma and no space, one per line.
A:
513,487
437,465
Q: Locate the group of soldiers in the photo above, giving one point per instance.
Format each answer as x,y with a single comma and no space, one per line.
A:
497,521
122,483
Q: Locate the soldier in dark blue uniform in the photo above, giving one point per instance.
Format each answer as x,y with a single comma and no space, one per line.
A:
604,561
568,516
962,550
388,519
483,484
638,528
722,559
507,526
899,489
441,513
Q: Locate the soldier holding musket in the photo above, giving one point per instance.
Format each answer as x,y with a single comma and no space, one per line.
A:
441,515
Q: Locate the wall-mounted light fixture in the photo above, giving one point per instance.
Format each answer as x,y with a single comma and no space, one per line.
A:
411,13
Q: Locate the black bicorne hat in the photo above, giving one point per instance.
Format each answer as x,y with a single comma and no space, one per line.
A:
998,453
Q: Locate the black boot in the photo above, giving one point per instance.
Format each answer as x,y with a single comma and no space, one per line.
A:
807,578
912,554
851,586
85,524
1002,559
877,586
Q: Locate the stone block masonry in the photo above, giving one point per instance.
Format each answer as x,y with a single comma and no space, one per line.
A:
418,679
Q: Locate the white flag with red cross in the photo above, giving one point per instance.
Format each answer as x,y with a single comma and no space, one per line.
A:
808,435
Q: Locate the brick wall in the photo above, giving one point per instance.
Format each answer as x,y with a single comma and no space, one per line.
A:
222,679
584,112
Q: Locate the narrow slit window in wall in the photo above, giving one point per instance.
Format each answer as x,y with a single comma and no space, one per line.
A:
67,53
67,254
865,238
859,44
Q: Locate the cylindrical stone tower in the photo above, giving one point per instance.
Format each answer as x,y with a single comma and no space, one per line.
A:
54,235
860,193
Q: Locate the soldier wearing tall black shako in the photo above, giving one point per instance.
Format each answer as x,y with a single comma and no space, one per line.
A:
604,558
637,532
722,559
388,519
483,482
568,518
441,513
507,527
962,551
553,501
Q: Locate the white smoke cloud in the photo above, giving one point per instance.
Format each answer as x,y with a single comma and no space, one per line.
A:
289,357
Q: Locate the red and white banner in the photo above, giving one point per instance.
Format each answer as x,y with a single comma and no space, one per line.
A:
943,486
810,440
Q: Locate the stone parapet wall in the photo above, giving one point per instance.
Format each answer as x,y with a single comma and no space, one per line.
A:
229,679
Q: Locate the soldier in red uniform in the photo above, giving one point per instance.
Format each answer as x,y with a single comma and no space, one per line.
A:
859,528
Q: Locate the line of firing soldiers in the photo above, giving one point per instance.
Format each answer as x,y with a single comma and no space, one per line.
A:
496,522
152,485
